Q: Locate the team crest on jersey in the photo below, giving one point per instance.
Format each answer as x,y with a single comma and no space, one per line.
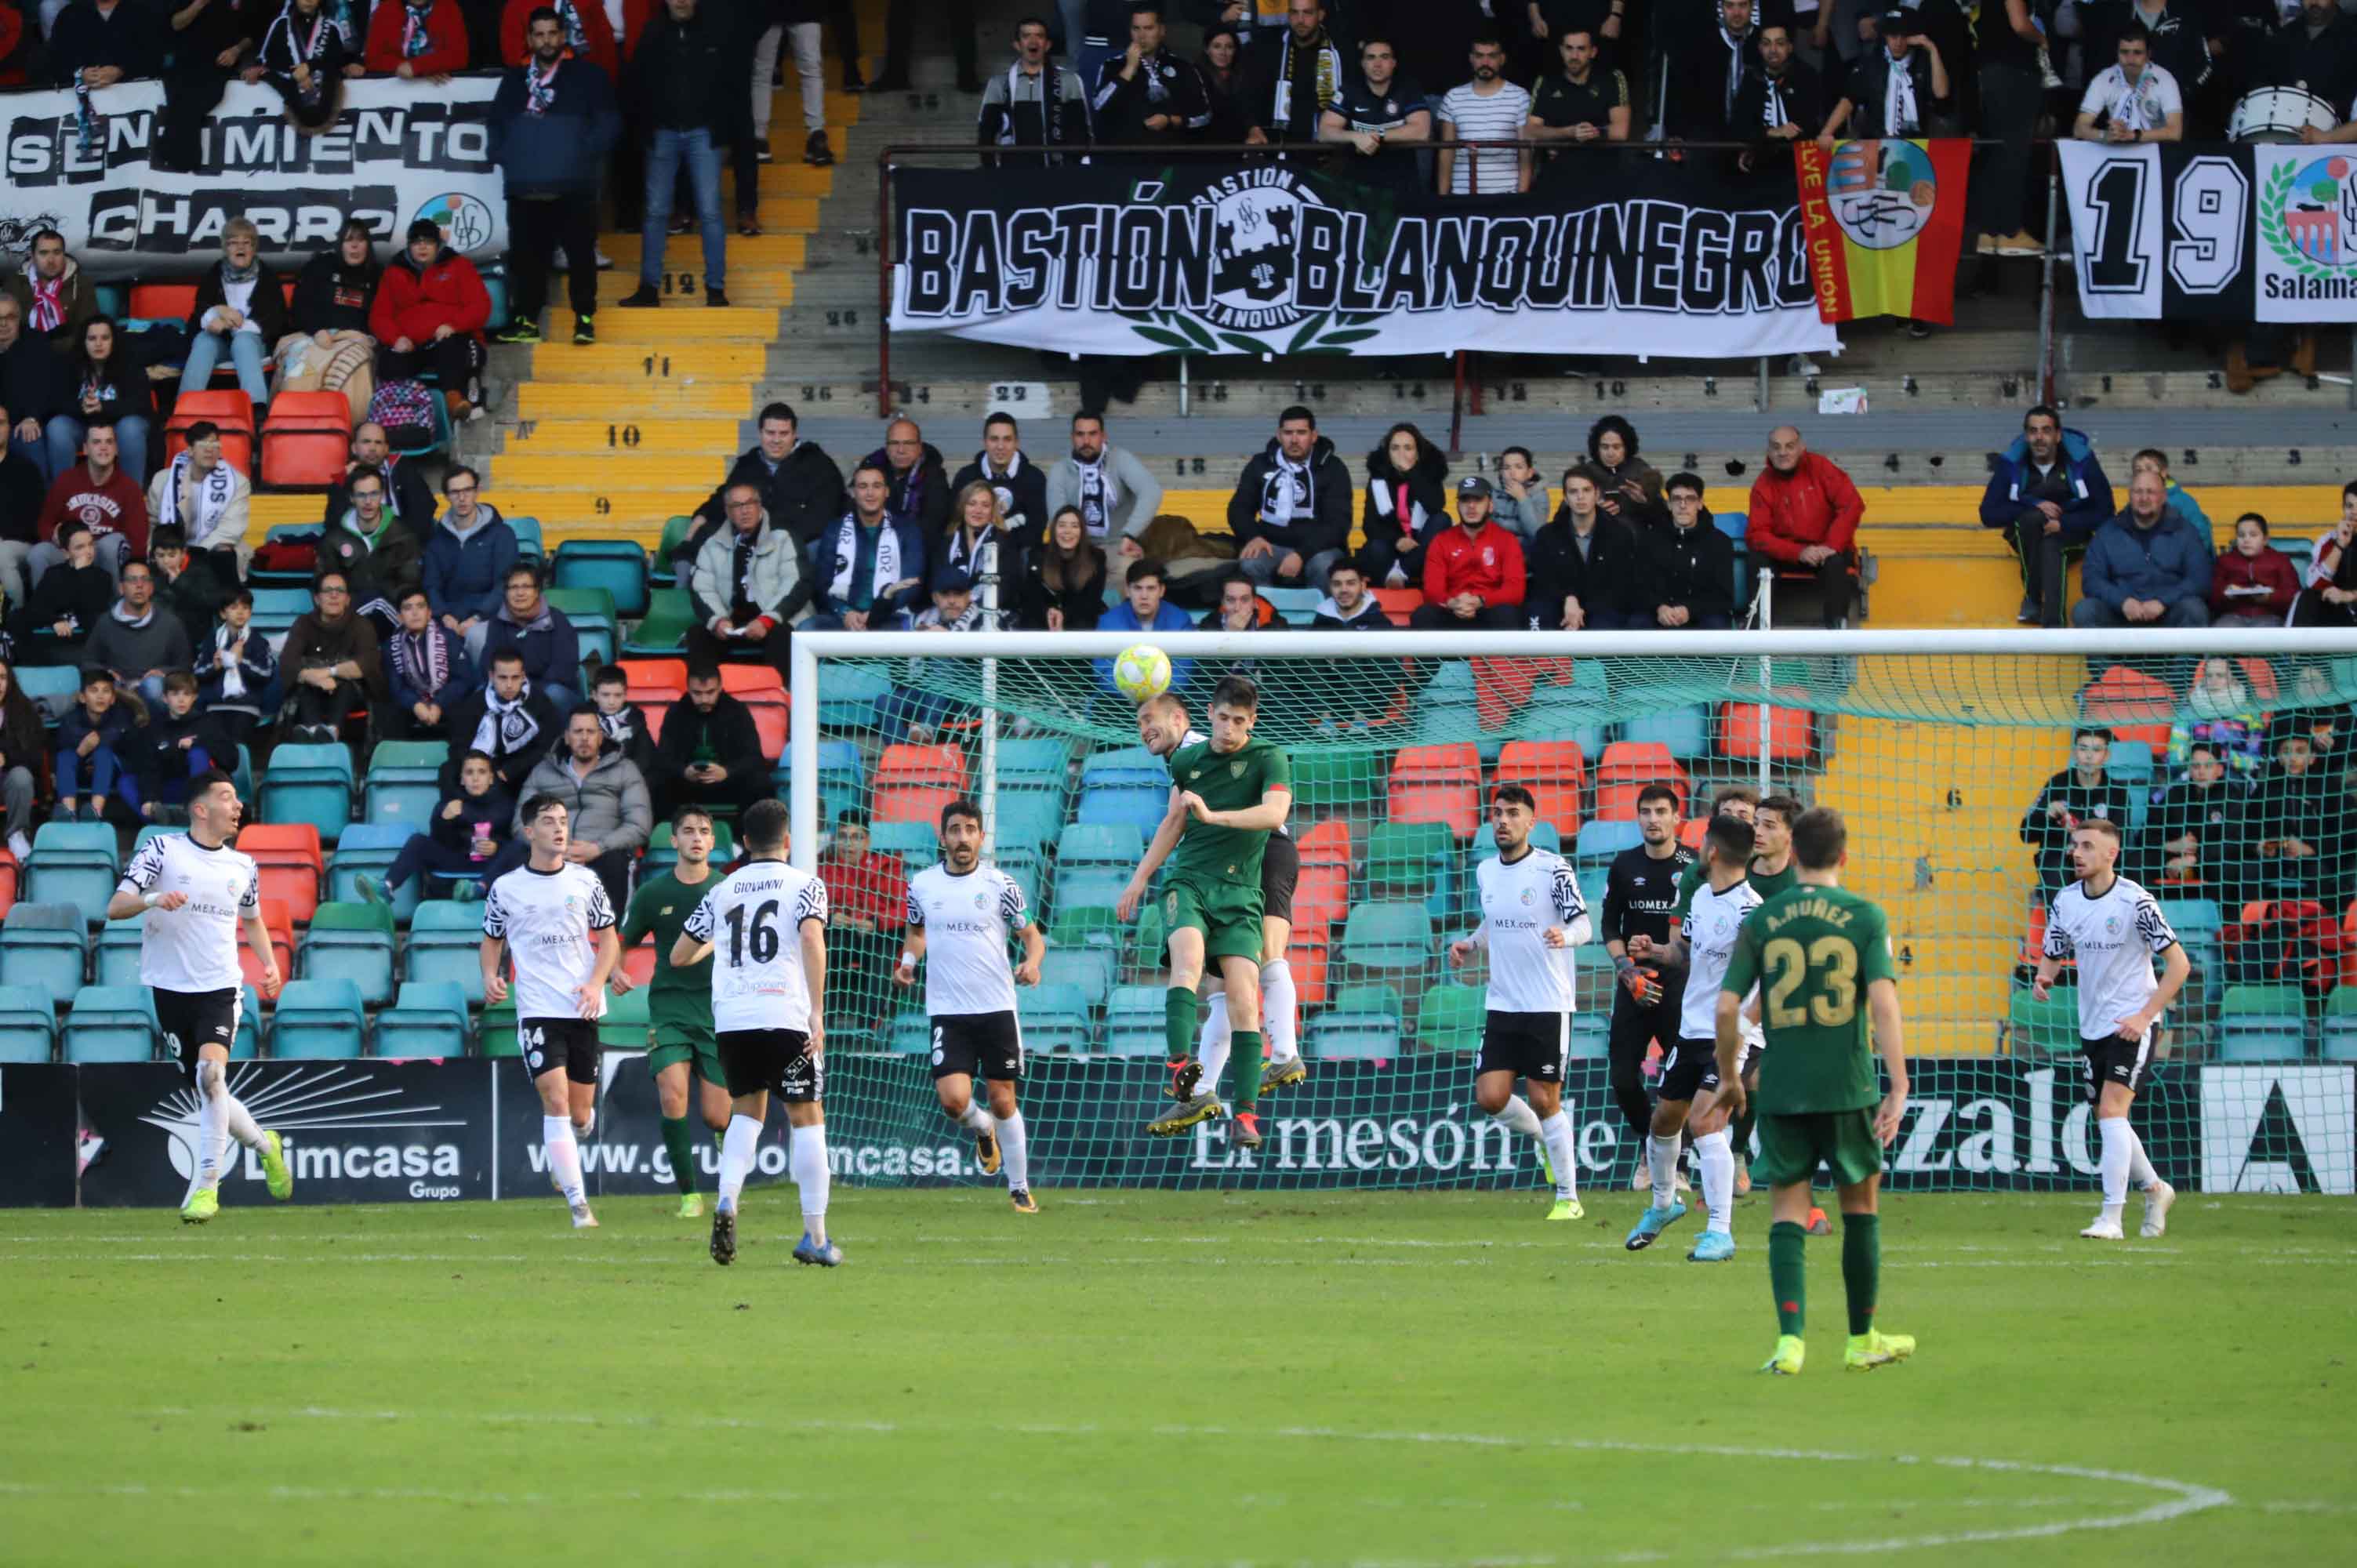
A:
981,899
1527,894
1170,907
2111,925
1236,768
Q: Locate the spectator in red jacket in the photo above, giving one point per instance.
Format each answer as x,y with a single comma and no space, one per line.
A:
408,40
588,34
429,315
2254,584
1804,513
1472,573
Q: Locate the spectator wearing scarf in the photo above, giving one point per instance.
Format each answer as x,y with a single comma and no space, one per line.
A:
410,40
918,484
508,721
588,34
1295,79
428,671
1036,101
870,569
552,122
240,311
527,622
1115,494
1291,508
1406,504
201,494
306,54
235,670
1708,66
1145,94
57,297
748,586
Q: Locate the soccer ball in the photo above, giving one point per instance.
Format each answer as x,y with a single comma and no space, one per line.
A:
1142,672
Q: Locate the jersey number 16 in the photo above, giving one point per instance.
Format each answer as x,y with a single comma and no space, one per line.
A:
765,934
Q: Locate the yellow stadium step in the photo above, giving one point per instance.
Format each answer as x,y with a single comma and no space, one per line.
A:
769,288
598,514
624,468
1944,591
538,399
764,252
630,365
604,438
685,322
789,175
280,508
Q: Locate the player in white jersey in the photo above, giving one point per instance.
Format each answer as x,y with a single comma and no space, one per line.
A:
2114,929
552,917
1532,917
1163,727
192,891
1704,945
960,913
765,925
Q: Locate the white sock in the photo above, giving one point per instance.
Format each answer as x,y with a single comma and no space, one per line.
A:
1717,1154
564,1155
2117,1140
1279,1019
736,1151
977,1116
2141,1176
239,1123
1211,1050
213,1140
1014,1151
1662,1160
588,1125
1556,1131
1518,1117
807,1160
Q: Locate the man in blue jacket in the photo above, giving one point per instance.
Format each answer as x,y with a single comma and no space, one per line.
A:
1143,608
552,124
867,567
2144,567
2049,495
466,559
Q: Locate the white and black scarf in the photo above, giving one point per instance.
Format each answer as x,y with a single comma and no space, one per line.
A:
507,728
1100,494
1051,104
414,38
1734,42
226,637
1329,73
1899,116
616,725
846,560
1285,494
540,88
213,494
421,659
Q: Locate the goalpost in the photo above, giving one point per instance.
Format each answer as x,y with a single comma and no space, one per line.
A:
1934,744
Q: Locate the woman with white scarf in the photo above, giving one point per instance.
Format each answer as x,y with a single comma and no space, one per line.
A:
241,310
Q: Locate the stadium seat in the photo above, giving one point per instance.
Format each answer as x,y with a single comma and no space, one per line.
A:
2199,924
115,959
52,688
428,1019
669,675
309,784
1328,780
1125,765
73,864
529,543
1591,1036
404,783
1412,861
2043,1028
909,1034
1556,772
1485,843
45,945
445,943
671,613
1328,844
231,410
281,926
1309,957
1790,732
914,782
744,681
278,608
624,1027
248,1044
1138,806
1029,820
1691,832
2340,1024
318,1020
1683,732
305,440
661,856
370,849
2130,766
495,1033
2132,706
2262,1024
1353,1034
850,698
354,942
1095,844
111,1024
1626,768
1088,970
918,844
28,1025
1451,1017
617,565
1388,939
677,530
1134,1015
1052,1018
1033,763
1088,888
1320,897
288,857
1599,841
1438,784
1572,713
1399,604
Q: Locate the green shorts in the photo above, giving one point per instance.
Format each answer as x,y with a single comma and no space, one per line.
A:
692,1043
1228,914
1791,1146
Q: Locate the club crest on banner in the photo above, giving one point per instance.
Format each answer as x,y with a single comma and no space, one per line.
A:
1882,192
2308,215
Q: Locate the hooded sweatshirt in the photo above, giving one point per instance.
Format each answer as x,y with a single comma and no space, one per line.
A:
413,302
156,641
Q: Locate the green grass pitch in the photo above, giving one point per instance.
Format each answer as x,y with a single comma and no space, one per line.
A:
1147,1378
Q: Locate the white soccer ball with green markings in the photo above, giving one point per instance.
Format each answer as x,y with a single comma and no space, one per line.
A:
1142,672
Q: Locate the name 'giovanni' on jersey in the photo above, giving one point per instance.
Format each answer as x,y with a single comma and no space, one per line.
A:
966,921
754,922
1521,902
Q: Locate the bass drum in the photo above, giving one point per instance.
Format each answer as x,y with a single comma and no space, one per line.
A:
2279,114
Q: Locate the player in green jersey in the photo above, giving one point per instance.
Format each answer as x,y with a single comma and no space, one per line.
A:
1821,956
1227,795
679,1003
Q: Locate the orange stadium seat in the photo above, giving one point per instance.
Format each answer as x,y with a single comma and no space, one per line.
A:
306,439
1626,768
288,857
1789,732
230,409
1556,772
2132,706
1438,784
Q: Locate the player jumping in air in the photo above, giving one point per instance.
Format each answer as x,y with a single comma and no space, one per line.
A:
679,1002
2114,928
960,913
1162,728
552,917
1822,959
191,892
1531,918
766,922
1689,1101
1227,796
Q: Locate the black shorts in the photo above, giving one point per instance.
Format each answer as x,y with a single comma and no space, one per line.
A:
552,1043
1689,1069
190,1019
1635,1025
777,1061
2113,1060
1280,873
977,1045
1528,1044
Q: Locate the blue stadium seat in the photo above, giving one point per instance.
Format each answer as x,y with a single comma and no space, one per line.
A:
591,611
1388,936
1591,1034
2131,766
350,941
278,608
370,849
445,943
850,698
529,543
2200,926
428,1019
1573,712
309,784
1544,835
318,1020
1030,819
45,945
248,1044
1599,842
1685,731
1140,806
916,843
404,783
1034,762
1335,1034
1126,765
52,688
1088,970
73,864
1053,1018
2262,1024
617,565
1087,843
117,960
1088,890
911,1034
2340,1025
111,1024
1134,1015
28,1025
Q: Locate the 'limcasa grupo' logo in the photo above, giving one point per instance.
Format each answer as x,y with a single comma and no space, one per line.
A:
1881,192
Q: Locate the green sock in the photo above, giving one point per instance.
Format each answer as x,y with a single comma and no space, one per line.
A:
1180,1014
1246,1050
682,1146
1788,1274
1861,1268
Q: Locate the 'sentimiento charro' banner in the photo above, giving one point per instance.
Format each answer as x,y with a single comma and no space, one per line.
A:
400,151
2241,232
1260,256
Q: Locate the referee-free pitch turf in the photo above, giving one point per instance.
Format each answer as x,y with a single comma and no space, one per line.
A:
1154,1377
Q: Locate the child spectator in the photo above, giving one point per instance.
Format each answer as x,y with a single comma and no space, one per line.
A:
427,666
172,748
469,829
626,729
91,738
2254,584
236,669
67,601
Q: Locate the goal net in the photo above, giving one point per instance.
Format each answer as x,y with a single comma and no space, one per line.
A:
2226,758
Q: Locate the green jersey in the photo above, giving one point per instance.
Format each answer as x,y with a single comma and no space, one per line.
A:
662,907
1767,884
1227,781
1813,951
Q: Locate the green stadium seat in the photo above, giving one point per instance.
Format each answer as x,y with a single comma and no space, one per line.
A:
2340,1025
591,611
1134,1016
404,783
2200,926
428,1019
1147,940
2262,1024
617,565
1086,925
1336,1034
1591,1036
73,864
1390,938
1052,1018
1088,890
676,532
116,959
1138,806
624,1026
661,856
309,784
354,942
446,940
111,1024
1088,970
1412,861
2046,1028
669,615
28,1025
1451,1018
45,945
496,1035
318,1020
369,849
1328,780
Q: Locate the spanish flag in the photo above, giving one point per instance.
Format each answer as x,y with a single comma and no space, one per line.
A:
1885,221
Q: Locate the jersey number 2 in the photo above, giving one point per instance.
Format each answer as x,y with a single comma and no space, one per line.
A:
1834,1004
765,934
